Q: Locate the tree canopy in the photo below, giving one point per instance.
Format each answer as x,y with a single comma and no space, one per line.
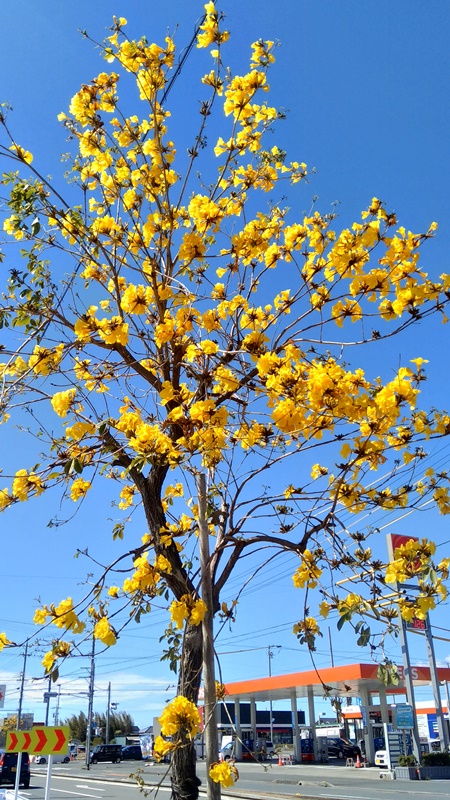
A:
177,329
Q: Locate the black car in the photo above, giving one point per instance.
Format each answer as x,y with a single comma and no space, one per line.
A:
106,752
132,751
342,748
8,768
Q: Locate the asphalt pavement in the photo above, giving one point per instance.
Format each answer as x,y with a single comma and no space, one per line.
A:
333,781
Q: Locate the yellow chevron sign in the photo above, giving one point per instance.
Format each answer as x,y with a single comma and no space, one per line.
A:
45,741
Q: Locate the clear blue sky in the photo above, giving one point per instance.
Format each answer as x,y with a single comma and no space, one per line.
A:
366,90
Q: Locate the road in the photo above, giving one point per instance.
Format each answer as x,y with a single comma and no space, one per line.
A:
320,782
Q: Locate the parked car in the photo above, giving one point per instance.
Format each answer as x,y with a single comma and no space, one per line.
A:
106,752
8,768
57,759
381,758
262,752
132,751
227,752
342,748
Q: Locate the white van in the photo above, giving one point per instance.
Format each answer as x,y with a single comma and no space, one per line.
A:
57,759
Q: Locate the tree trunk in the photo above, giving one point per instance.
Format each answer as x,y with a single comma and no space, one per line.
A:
184,774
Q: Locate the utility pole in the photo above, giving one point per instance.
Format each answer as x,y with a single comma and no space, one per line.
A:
441,724
90,704
22,685
57,705
331,647
270,655
47,700
19,720
108,708
210,701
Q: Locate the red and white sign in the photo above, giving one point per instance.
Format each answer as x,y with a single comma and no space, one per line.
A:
395,540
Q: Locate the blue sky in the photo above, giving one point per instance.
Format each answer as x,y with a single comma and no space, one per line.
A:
365,87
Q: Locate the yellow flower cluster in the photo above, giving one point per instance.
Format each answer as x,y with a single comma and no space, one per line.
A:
24,484
410,559
62,401
162,747
224,773
4,641
45,361
181,715
146,576
187,609
79,489
104,631
307,626
308,573
210,33
62,615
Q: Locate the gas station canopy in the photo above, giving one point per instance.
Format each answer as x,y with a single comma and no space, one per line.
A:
347,681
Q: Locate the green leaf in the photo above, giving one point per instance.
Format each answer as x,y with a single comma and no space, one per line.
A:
341,621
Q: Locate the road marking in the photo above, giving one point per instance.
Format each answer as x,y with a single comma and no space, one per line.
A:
85,786
66,791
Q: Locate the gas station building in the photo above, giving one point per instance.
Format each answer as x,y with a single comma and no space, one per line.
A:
356,681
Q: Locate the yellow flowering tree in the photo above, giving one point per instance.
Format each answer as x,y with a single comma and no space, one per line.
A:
185,333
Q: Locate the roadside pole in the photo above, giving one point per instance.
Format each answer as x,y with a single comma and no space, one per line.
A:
49,778
210,701
90,705
19,715
409,687
442,727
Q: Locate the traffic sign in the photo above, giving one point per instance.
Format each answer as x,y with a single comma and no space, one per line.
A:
45,741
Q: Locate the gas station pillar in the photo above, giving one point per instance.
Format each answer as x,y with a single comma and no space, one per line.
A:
253,719
237,723
368,738
295,728
312,719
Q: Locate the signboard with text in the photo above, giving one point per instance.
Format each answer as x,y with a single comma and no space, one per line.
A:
402,716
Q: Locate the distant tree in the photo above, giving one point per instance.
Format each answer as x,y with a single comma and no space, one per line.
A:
118,721
178,331
78,726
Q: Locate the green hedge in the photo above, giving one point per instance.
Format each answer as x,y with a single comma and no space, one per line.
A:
436,759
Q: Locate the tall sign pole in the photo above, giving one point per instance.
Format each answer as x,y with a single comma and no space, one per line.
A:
19,717
442,727
393,541
409,686
90,705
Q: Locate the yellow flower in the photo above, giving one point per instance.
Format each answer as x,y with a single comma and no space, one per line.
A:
48,660
308,572
5,499
4,641
24,483
223,773
40,616
324,609
79,489
187,608
23,154
61,401
162,747
105,632
180,714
